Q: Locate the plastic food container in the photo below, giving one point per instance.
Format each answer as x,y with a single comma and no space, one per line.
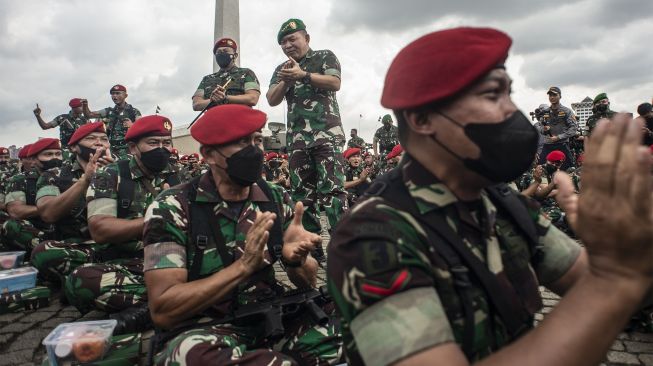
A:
17,279
11,259
79,342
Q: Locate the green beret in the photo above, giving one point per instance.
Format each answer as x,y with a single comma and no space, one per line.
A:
290,26
600,97
386,118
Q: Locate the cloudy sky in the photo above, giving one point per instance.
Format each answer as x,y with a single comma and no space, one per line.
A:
54,50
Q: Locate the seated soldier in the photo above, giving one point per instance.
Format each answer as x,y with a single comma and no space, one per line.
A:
356,175
116,202
61,200
25,228
7,170
194,271
393,158
441,264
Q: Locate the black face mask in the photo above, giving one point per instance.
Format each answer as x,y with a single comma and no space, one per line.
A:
3,162
274,164
550,169
223,59
602,107
156,160
52,163
245,166
507,147
86,152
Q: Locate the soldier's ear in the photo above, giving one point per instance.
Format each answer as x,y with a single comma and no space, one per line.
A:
419,122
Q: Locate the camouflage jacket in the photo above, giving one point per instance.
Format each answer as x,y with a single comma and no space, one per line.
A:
356,142
351,174
594,119
68,123
387,138
16,188
102,195
113,120
6,172
313,114
55,181
188,172
168,242
386,279
242,80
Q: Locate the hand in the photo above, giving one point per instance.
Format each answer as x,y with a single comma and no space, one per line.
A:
298,251
545,128
296,232
538,172
218,95
554,138
615,218
291,71
37,110
256,242
92,165
567,197
364,174
105,158
127,123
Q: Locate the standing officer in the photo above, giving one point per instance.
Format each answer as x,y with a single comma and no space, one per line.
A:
441,264
601,109
558,126
355,140
118,119
246,225
67,123
243,86
309,81
386,137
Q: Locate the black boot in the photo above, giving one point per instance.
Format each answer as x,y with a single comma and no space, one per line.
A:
132,320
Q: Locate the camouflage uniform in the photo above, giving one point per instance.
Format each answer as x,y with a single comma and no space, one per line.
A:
168,245
189,172
117,282
314,137
242,79
356,142
113,120
396,294
6,172
29,299
68,123
352,174
595,117
387,137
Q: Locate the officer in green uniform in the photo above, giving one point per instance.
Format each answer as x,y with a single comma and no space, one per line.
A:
189,278
25,228
601,109
118,119
355,140
231,84
67,123
116,202
356,175
192,169
441,263
7,170
61,200
385,137
309,81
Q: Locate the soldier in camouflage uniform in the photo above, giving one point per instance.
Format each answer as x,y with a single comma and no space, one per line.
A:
243,86
601,109
61,200
356,175
192,168
116,202
117,119
7,170
309,81
385,138
232,268
393,158
26,229
67,123
355,140
447,268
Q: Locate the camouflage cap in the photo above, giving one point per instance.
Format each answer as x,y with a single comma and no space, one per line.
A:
290,26
386,118
600,97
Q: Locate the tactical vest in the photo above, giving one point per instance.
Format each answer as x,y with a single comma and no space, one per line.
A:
30,199
127,187
64,181
129,111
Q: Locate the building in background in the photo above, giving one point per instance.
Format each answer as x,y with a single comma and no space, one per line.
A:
583,110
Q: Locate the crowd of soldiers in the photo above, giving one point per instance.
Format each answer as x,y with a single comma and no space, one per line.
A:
432,254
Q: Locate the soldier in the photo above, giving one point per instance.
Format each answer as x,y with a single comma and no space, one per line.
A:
6,172
67,123
26,229
601,109
309,81
371,164
118,119
558,126
385,137
188,279
116,202
355,141
231,84
192,169
356,175
448,263
61,200
393,158
645,111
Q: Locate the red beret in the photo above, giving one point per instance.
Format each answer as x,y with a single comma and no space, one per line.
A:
227,123
225,42
271,155
183,158
24,151
154,125
284,156
44,144
85,130
556,155
395,152
75,102
440,64
174,151
4,151
351,152
194,155
117,88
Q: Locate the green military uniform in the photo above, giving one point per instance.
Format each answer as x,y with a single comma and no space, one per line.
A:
596,117
351,174
117,282
314,136
169,244
189,172
395,291
356,142
7,171
68,123
29,299
116,130
387,137
242,80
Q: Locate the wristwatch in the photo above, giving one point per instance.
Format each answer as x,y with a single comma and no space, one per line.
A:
307,78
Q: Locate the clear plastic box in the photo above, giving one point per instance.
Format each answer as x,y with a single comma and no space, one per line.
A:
79,342
17,279
10,260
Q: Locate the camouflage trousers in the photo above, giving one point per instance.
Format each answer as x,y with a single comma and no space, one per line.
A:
29,299
317,179
20,234
57,259
305,343
111,286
